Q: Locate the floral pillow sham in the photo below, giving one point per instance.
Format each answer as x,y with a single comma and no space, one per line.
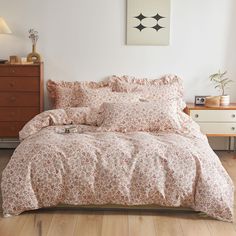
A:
86,94
89,97
64,94
169,87
139,116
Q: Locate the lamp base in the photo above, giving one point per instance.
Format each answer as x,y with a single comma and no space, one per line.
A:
3,61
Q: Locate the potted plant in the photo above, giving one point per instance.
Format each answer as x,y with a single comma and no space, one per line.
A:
221,83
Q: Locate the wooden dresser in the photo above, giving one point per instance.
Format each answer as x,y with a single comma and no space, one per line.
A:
21,96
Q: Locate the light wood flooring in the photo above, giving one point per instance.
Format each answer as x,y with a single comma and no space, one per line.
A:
124,223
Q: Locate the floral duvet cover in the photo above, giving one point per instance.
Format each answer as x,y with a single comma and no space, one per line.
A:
91,166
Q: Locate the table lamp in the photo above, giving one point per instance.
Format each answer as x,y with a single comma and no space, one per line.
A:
4,29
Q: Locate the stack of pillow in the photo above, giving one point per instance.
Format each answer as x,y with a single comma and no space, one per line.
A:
122,104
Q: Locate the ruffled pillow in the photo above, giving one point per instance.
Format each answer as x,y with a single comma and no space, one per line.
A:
140,116
83,115
86,94
65,94
169,87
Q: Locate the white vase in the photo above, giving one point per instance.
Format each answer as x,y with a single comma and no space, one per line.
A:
224,100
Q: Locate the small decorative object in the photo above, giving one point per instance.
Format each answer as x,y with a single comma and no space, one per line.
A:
148,22
67,129
14,60
2,61
23,60
213,101
221,83
200,100
33,56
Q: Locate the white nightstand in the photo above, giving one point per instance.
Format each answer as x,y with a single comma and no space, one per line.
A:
217,121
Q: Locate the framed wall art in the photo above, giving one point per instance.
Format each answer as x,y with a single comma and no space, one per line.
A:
148,22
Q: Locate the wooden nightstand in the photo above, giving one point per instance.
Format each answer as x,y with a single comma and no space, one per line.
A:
217,121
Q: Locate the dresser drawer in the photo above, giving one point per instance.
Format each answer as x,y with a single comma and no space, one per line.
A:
10,129
18,114
19,99
213,115
28,84
218,128
19,70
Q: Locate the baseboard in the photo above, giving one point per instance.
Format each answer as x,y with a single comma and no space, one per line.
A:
9,143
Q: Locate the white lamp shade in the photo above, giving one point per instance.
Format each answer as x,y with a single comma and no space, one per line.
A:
4,29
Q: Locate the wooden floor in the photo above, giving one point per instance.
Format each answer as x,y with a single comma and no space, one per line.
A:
71,222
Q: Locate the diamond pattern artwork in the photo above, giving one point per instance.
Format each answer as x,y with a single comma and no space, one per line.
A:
141,17
148,22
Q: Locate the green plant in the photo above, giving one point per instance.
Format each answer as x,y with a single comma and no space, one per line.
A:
220,81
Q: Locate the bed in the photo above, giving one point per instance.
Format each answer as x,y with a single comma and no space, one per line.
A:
123,142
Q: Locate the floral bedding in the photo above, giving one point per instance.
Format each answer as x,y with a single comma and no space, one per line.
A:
88,165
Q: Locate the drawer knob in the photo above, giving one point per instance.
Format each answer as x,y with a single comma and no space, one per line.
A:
233,128
233,115
13,99
196,116
13,71
11,84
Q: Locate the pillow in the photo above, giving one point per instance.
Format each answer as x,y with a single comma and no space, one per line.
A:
169,87
86,94
139,116
63,94
90,97
83,115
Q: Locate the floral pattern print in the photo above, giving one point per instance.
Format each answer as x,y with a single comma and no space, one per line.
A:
63,93
115,89
44,119
68,116
174,168
140,116
87,97
169,87
86,94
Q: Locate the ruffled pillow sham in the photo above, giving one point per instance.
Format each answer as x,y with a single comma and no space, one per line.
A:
64,94
169,87
86,94
116,89
88,97
140,116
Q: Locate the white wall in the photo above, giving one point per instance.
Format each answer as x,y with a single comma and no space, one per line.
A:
85,40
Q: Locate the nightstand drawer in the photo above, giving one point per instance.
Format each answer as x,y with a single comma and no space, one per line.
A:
18,70
218,128
213,115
